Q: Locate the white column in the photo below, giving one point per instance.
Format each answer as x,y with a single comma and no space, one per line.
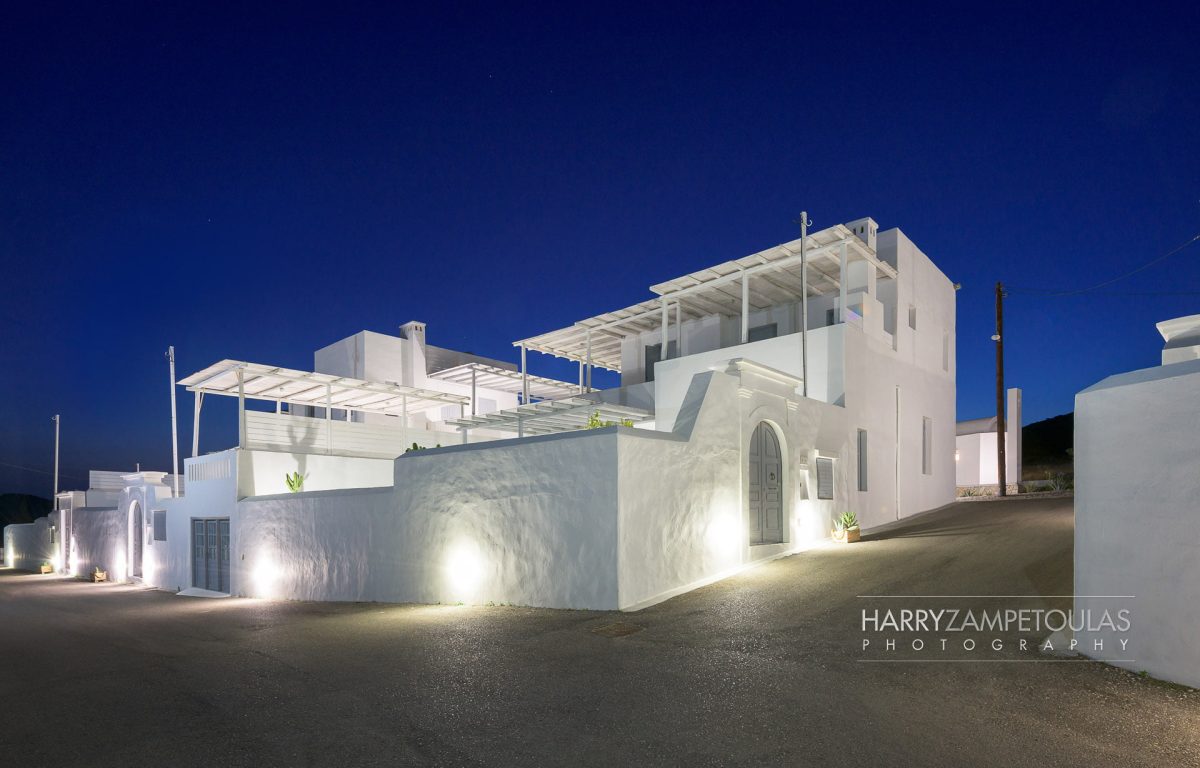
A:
241,410
745,307
678,330
520,426
581,377
278,406
328,418
666,330
524,378
198,400
842,285
588,383
804,301
473,409
174,426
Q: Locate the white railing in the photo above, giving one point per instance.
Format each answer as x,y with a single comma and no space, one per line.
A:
218,466
302,434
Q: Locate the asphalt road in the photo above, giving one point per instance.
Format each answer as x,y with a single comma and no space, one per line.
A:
765,668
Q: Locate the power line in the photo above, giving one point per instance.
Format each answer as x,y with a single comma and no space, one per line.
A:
1145,266
39,471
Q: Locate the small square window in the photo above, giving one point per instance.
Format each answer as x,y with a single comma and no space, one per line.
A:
912,317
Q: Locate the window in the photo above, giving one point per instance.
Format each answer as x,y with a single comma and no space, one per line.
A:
912,317
54,534
760,332
654,354
824,478
862,459
926,446
830,316
160,525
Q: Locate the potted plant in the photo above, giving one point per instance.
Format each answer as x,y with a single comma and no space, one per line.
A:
47,568
295,481
845,528
99,575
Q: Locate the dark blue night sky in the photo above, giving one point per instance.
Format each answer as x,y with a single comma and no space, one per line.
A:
255,183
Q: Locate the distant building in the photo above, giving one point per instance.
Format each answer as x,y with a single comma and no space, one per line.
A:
975,448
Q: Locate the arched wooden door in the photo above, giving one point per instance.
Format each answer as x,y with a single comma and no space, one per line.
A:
766,487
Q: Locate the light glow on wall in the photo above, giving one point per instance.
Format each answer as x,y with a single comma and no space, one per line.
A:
72,561
265,575
56,561
120,569
464,570
725,534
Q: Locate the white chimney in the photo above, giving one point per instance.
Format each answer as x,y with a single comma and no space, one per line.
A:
865,230
413,373
1182,337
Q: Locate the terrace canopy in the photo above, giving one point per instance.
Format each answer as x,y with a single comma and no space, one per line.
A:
732,288
243,380
549,416
504,380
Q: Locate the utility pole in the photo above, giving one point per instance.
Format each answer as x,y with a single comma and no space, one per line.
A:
57,422
174,427
804,223
999,339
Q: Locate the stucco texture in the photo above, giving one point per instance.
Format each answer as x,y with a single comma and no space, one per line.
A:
1137,477
27,545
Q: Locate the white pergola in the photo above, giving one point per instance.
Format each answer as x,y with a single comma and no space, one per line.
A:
503,380
235,378
791,272
549,417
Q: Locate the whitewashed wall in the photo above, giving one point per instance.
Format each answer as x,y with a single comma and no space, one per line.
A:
27,545
1137,481
683,496
101,538
531,522
262,473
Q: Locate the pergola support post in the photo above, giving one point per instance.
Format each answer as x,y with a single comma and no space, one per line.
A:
666,330
328,418
241,409
842,283
198,400
589,361
745,307
678,329
524,378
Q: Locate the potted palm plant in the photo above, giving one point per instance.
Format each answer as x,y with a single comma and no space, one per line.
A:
47,568
845,528
99,575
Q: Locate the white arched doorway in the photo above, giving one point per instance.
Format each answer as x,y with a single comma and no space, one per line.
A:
765,481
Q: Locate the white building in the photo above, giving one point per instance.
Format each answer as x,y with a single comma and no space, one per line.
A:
740,444
1137,475
975,448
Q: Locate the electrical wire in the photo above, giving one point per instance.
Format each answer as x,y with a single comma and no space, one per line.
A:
39,471
1145,266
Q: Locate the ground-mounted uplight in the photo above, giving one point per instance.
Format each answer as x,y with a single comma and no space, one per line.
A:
463,568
